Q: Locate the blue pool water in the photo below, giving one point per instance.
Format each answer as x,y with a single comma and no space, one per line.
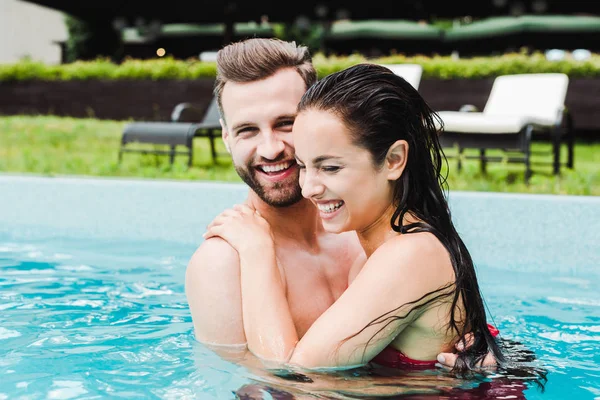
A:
92,301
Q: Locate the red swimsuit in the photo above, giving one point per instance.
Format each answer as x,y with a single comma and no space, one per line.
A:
390,357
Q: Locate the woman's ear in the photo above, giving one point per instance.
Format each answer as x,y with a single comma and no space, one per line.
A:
396,158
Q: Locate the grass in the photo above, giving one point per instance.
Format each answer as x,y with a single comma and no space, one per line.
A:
56,146
52,146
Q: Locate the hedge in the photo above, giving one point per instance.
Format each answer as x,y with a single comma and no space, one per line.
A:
440,67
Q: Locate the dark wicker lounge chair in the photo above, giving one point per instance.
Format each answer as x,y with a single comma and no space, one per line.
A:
188,122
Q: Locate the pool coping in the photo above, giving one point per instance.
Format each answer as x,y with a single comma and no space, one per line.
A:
237,185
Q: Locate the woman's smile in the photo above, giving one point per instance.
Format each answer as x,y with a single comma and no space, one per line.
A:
329,209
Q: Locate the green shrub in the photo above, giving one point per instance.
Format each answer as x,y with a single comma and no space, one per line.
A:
440,67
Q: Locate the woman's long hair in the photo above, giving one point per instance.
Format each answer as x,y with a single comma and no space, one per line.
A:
379,108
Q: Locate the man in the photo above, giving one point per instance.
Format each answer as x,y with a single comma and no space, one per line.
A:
258,87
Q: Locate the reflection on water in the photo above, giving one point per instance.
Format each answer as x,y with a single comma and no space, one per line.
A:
94,319
385,384
520,373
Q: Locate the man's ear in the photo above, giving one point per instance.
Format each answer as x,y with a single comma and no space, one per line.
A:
225,134
395,159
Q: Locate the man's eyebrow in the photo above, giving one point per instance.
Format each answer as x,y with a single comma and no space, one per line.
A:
248,124
241,125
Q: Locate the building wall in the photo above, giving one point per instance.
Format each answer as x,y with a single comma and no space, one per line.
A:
29,30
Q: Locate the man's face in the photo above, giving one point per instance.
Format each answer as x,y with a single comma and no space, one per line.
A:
257,129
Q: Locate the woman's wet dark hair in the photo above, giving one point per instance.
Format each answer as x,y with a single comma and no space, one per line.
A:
379,108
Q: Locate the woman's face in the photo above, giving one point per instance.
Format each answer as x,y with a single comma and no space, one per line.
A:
338,176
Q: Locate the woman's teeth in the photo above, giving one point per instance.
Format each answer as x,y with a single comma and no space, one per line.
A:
331,207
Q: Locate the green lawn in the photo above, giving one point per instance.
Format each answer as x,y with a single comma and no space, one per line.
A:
50,145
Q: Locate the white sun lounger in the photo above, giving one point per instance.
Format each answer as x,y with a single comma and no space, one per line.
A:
518,106
410,72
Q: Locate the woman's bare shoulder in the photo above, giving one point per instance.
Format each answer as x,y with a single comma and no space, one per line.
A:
414,244
417,252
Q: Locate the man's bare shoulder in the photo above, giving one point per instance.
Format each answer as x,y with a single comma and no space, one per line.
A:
213,269
214,256
212,288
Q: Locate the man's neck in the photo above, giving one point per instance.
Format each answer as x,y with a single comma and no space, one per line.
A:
299,222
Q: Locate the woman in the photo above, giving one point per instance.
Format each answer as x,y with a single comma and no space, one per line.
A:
370,160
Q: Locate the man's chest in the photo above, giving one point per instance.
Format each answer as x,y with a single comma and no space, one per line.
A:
312,287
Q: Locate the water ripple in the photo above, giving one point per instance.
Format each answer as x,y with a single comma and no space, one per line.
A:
579,302
118,325
8,333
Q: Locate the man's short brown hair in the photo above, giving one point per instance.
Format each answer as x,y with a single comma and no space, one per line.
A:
259,58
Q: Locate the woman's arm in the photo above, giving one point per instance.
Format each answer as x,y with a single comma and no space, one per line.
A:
268,322
399,272
268,325
377,305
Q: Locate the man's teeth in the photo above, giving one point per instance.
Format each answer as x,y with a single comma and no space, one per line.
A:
276,167
331,207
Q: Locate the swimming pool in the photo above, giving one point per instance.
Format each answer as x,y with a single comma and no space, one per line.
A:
92,301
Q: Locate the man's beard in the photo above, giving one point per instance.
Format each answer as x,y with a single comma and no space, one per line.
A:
279,194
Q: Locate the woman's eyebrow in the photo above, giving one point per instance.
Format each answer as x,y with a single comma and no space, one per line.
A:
323,158
286,117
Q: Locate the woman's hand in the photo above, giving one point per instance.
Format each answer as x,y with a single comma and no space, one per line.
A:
448,360
268,324
243,228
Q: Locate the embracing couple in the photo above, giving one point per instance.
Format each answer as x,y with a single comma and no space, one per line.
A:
344,252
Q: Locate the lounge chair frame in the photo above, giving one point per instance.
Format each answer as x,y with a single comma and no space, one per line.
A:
180,132
511,143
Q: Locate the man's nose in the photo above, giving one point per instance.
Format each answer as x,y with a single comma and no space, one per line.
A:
271,147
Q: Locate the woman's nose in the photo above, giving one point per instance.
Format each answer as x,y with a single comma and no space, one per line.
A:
310,184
